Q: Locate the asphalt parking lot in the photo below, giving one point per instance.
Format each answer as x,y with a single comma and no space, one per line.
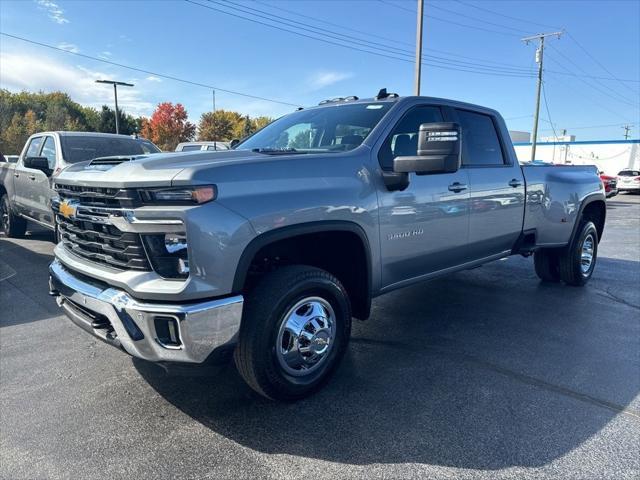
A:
484,374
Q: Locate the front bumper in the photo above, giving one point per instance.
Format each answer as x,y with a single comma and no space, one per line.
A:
115,317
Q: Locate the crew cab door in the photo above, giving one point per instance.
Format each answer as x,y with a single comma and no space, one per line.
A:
24,178
424,228
41,191
496,184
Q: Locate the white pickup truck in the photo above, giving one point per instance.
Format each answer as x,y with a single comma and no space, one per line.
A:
26,185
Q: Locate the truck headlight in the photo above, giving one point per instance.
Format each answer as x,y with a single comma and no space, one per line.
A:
168,254
179,195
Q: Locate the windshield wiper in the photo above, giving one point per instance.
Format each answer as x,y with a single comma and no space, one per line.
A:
277,151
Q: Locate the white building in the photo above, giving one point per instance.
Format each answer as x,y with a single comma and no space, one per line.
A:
610,156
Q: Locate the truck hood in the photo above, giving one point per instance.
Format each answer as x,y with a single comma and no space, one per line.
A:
158,170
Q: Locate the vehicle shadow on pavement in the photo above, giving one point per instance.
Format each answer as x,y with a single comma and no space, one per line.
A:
24,280
528,374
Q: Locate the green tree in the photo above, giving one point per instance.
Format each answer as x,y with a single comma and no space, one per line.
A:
221,125
128,125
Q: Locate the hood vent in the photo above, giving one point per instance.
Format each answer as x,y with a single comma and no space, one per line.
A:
111,161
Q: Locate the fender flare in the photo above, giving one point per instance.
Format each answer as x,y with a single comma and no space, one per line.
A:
589,199
289,231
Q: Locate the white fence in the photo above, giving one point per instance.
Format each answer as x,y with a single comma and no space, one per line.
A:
609,156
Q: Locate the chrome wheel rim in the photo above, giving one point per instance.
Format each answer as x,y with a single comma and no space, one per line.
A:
306,336
587,254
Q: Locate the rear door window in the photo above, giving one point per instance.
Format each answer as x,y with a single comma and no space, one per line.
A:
480,141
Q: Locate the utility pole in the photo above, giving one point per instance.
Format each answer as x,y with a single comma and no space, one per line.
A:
627,128
539,60
213,118
115,95
419,47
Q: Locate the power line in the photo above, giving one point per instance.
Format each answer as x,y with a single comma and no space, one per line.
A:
459,14
149,72
598,62
595,102
450,21
461,68
493,12
619,97
612,76
395,41
341,37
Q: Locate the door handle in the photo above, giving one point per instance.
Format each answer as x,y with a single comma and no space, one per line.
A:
515,183
32,177
17,175
457,187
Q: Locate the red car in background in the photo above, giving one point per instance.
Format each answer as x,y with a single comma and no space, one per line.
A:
610,184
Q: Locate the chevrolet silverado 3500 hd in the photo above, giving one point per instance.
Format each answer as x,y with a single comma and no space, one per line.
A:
269,249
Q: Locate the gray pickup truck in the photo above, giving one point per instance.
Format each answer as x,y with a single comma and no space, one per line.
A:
26,185
268,250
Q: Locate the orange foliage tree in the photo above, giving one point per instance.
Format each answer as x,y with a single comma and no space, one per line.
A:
168,126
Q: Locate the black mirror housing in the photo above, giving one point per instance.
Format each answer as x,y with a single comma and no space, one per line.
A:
38,163
234,142
439,148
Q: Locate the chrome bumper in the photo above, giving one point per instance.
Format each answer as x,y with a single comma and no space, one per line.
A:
115,317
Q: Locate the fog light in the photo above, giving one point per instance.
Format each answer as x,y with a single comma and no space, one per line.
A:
168,254
167,331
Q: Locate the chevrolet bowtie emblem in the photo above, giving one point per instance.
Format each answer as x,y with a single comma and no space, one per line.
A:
67,209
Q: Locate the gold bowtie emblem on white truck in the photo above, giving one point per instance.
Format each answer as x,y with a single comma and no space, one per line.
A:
67,209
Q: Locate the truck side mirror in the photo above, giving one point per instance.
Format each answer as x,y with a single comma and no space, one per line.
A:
38,163
438,150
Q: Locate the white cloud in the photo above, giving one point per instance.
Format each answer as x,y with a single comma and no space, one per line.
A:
55,12
324,79
152,78
34,73
70,47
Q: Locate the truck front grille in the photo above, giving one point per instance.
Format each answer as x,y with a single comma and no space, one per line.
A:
103,243
99,196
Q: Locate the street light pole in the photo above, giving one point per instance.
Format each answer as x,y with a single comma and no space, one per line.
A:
115,95
418,47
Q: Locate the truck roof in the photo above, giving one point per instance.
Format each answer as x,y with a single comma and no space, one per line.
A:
393,98
64,133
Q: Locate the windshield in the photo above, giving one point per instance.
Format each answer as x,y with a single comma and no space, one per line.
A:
629,173
78,148
335,128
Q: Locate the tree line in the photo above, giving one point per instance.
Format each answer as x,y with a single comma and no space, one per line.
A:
25,113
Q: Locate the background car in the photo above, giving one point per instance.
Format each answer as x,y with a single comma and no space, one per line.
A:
195,146
629,180
610,184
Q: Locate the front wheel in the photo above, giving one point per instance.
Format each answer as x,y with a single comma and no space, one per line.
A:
295,330
578,259
11,224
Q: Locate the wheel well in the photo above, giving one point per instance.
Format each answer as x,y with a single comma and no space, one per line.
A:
342,253
596,212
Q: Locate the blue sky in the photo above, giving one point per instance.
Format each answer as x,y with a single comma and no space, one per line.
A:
184,40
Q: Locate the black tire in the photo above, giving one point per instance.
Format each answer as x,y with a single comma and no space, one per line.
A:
267,308
571,261
12,225
547,264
